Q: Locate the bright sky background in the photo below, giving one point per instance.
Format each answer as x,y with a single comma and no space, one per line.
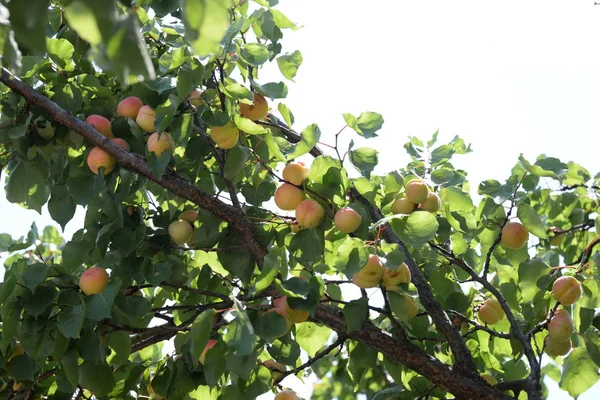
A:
508,77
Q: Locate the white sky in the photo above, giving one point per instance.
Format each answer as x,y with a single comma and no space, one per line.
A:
508,77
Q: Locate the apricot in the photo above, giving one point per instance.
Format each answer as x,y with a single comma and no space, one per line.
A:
432,203
145,118
99,158
129,107
556,348
158,144
347,220
286,395
514,235
93,280
394,278
180,231
402,206
288,197
370,275
491,312
101,124
226,136
295,315
257,110
567,290
275,368
309,213
416,191
295,173
560,327
195,98
190,216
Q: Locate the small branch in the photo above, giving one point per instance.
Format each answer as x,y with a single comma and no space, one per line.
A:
338,342
479,327
210,293
578,185
290,134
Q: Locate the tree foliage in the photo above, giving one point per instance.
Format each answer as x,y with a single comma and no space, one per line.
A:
252,297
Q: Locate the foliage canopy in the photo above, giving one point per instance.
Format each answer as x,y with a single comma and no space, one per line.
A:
245,285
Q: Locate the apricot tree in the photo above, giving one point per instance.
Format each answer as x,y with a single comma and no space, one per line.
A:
186,281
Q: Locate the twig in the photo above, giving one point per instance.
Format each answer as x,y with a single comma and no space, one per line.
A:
338,342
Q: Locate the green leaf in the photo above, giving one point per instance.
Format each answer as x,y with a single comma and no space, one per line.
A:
156,273
455,199
248,125
27,185
120,343
74,255
289,64
98,379
366,125
536,169
530,218
67,96
200,333
127,51
81,19
236,91
34,274
364,160
61,206
254,53
286,113
29,20
206,22
99,306
310,137
351,256
307,246
592,343
5,242
399,304
579,372
22,368
355,313
61,52
240,333
271,266
530,272
417,229
274,90
159,164
311,337
70,320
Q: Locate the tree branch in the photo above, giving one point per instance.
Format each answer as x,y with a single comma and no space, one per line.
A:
171,181
463,386
456,342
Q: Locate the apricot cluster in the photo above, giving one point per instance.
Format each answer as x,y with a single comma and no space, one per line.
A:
417,196
144,115
227,136
373,273
181,230
567,290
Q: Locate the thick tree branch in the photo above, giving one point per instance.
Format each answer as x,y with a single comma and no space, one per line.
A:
171,181
534,388
463,386
464,360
